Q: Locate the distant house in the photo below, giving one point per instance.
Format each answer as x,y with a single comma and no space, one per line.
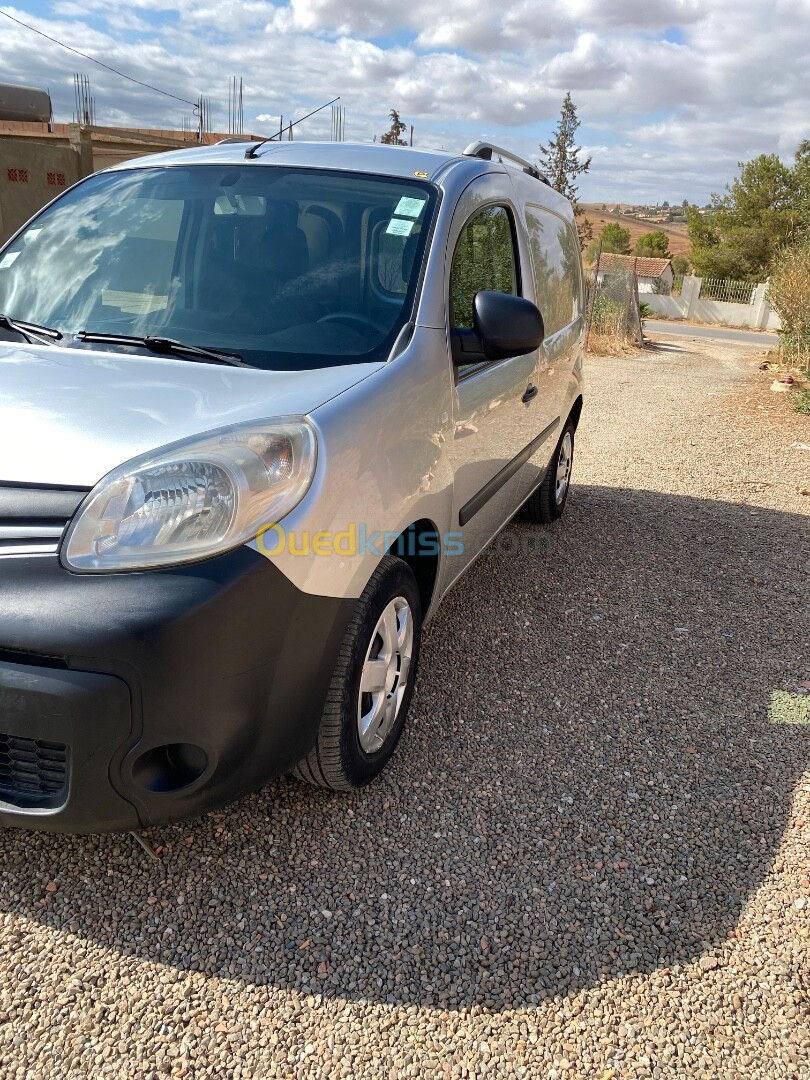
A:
654,275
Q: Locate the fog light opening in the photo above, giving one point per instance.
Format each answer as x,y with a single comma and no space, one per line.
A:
170,767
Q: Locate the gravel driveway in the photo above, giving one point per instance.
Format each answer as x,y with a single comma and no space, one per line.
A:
590,858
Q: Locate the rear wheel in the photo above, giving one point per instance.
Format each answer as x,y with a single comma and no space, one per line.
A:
547,503
372,684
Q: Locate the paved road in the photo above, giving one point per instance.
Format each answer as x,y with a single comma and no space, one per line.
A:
589,858
716,333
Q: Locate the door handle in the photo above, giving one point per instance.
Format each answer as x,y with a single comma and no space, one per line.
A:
531,391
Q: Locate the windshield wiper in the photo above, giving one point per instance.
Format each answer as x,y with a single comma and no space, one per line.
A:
32,332
165,345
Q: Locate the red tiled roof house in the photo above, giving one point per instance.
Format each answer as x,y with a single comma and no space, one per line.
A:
654,275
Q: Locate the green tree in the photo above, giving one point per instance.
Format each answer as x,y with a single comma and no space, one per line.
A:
612,238
653,245
680,265
801,173
766,208
393,137
561,163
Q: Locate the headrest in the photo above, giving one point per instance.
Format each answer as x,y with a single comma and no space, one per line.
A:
317,233
332,221
281,215
283,248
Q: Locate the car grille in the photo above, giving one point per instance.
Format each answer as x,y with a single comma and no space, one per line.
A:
33,773
33,519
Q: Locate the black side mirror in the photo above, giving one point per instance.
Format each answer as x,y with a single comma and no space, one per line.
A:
504,326
507,325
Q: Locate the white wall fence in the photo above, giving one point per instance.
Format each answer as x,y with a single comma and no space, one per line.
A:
696,308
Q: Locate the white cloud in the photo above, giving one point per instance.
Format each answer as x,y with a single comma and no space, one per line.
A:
663,116
591,64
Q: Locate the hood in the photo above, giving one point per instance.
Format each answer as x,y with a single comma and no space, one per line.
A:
69,416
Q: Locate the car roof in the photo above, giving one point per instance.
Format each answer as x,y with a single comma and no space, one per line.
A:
404,161
397,161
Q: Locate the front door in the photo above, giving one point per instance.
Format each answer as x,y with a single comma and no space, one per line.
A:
495,403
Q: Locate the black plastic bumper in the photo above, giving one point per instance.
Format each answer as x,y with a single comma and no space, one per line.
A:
142,698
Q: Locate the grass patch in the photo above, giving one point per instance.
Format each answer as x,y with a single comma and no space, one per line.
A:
612,343
800,400
609,333
789,708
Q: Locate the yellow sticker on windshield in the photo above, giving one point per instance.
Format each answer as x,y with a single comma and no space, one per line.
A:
421,175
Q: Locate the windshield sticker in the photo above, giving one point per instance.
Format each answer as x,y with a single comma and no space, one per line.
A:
10,256
407,207
399,227
134,303
31,234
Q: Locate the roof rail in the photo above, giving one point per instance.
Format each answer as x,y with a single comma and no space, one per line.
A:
485,150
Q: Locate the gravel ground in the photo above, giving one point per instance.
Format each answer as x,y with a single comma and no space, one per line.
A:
590,858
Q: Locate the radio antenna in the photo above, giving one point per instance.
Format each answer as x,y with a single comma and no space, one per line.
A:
251,151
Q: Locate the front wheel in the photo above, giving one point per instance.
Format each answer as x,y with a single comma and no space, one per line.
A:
547,503
372,684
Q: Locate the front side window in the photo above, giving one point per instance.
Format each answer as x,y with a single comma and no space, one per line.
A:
484,259
289,268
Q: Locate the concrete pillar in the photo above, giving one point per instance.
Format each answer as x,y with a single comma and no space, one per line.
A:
690,291
82,143
762,310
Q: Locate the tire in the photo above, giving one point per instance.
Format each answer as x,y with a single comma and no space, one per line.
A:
547,502
359,733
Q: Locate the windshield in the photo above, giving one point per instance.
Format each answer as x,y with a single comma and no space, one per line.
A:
289,268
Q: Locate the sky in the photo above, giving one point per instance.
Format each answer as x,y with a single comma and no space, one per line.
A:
672,94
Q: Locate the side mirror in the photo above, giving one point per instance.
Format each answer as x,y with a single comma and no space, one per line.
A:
507,325
504,326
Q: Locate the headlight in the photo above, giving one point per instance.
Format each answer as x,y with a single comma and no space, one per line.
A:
193,499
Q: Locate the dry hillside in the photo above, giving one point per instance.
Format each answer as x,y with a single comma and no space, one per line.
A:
678,235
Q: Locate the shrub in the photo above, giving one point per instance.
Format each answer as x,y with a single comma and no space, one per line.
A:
609,334
608,316
789,296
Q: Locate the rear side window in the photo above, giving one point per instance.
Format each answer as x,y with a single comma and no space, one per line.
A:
484,259
555,255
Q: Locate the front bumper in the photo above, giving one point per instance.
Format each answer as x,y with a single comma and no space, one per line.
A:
136,699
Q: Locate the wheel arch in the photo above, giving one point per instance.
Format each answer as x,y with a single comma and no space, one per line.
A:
419,545
575,413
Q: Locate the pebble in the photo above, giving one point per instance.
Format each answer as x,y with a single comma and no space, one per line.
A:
588,857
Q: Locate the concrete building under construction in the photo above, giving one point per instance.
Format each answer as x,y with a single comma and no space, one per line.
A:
39,158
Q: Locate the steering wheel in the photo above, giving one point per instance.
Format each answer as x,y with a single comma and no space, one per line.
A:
349,318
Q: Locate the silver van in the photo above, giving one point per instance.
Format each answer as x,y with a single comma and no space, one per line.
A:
261,405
